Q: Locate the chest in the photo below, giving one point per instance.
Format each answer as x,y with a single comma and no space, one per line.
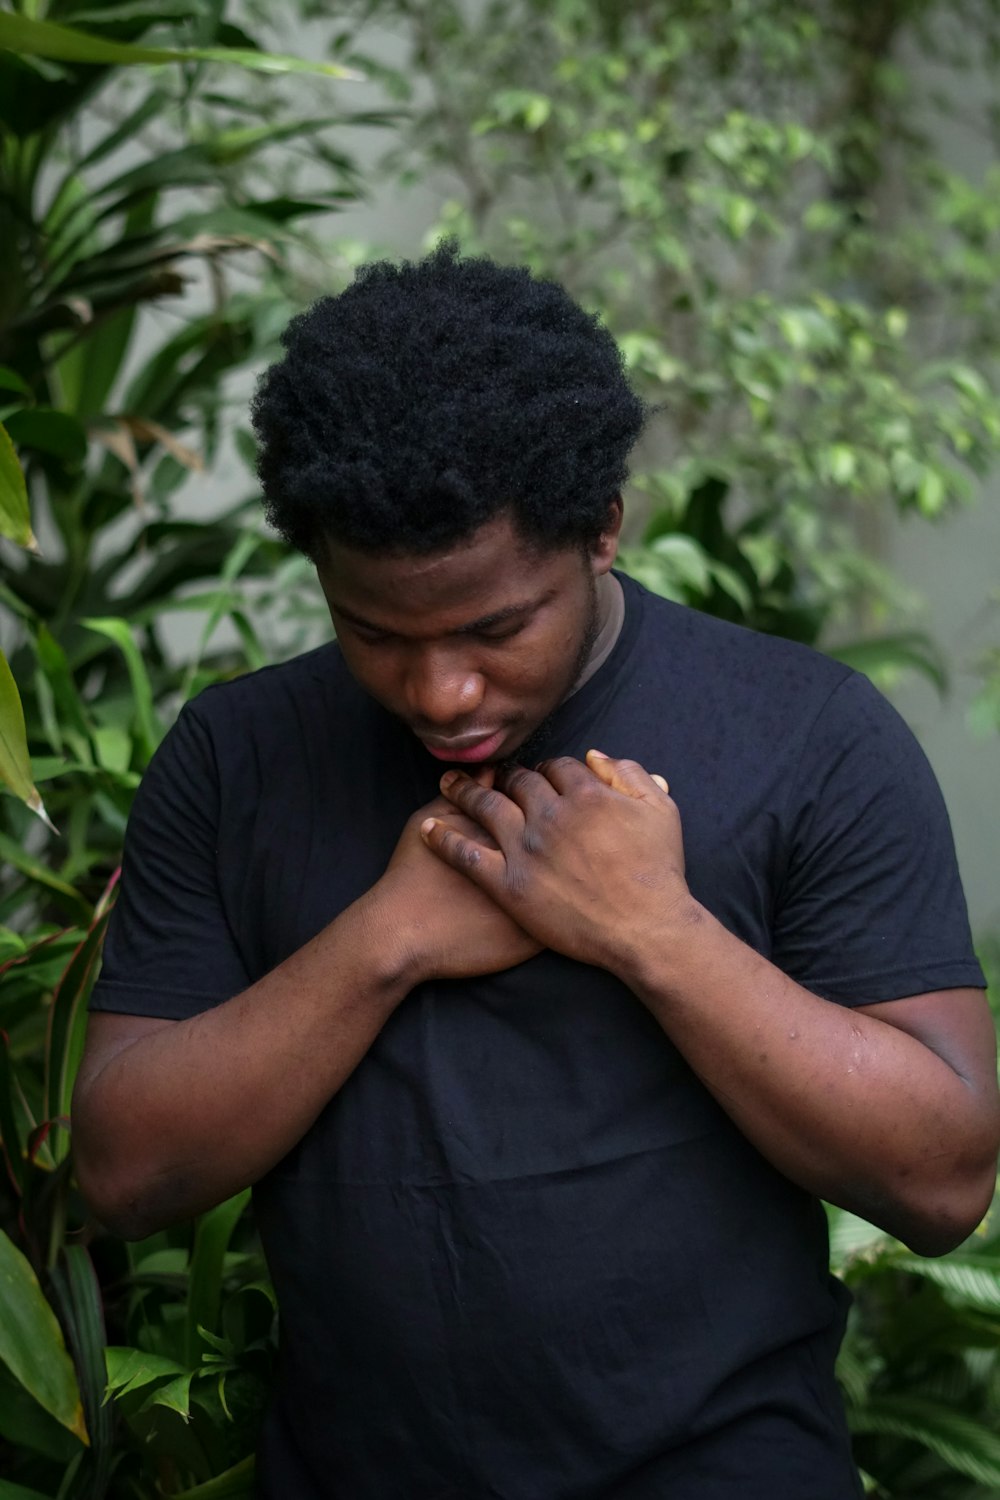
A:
327,812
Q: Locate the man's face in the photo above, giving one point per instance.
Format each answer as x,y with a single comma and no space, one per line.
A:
473,647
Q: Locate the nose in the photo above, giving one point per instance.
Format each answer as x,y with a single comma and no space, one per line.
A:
440,691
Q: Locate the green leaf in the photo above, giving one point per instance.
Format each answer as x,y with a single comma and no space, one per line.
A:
11,1491
211,1241
739,214
971,1280
13,1147
176,1395
236,1483
67,1026
131,1369
23,1423
10,380
48,430
22,35
911,651
89,369
15,513
963,1443
81,1307
852,1237
15,763
685,558
150,729
31,1342
55,665
34,870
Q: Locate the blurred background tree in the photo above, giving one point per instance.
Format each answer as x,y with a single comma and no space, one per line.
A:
751,193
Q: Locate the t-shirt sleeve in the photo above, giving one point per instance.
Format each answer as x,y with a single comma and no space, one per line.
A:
869,904
170,951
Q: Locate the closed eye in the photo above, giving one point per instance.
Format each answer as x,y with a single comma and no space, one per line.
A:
368,634
498,634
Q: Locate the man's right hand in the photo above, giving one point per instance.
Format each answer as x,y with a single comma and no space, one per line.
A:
447,928
287,1043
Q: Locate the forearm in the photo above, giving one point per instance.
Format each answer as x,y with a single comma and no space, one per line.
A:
191,1113
851,1108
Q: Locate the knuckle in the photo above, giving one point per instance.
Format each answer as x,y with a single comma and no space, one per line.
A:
486,801
470,795
517,778
459,848
531,840
516,880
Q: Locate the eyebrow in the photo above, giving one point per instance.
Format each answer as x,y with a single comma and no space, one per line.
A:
484,622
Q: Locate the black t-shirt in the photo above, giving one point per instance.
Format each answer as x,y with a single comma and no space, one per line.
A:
523,1254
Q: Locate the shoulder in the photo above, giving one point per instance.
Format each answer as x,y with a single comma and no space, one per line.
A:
258,701
781,717
735,680
703,644
235,732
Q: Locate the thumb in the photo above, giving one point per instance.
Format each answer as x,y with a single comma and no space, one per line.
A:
625,776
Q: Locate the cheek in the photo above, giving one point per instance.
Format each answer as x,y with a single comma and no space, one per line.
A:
371,671
537,670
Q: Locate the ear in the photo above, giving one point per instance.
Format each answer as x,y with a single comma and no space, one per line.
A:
605,549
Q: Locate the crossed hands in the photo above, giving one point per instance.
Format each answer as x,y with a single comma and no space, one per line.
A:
583,858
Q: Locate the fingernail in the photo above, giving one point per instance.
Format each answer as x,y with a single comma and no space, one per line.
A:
598,755
427,825
448,779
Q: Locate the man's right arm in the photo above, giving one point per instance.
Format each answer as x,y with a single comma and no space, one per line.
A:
171,1117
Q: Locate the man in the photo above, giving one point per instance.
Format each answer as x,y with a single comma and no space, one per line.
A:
538,1096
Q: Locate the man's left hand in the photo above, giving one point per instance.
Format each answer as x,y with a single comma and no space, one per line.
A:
588,858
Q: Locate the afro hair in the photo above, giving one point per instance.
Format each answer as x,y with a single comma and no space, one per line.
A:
429,397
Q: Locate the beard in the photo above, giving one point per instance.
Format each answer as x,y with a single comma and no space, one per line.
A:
527,753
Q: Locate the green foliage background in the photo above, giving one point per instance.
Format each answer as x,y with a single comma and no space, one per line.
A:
750,193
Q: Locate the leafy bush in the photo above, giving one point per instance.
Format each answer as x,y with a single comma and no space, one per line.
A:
753,197
117,185
920,1365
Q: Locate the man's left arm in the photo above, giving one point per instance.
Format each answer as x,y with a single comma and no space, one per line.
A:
890,1110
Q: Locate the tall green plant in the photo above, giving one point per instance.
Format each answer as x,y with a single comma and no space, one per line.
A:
118,183
133,164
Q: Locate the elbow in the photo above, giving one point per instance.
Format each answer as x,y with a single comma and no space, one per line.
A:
944,1216
117,1187
944,1199
116,1204
931,1206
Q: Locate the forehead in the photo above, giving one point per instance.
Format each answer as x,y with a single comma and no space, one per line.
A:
493,569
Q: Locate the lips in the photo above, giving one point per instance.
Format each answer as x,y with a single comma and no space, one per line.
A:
466,750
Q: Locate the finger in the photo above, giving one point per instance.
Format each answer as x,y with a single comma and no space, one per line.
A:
450,816
626,776
483,866
533,793
489,808
566,774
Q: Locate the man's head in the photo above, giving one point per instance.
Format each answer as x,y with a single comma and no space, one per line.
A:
447,441
429,398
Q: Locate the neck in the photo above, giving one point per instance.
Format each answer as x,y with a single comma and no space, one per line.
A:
610,618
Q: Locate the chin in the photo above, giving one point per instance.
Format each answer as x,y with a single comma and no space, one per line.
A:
526,750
